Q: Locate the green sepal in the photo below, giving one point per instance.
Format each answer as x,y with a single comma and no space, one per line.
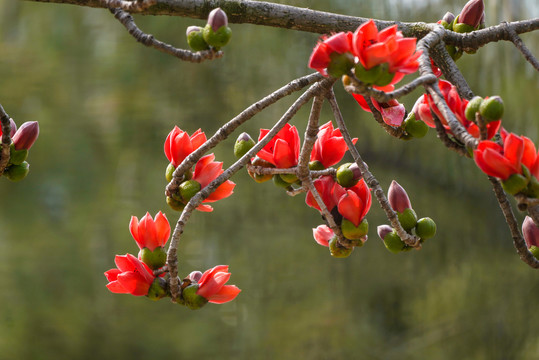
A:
415,128
191,299
195,40
386,77
393,242
425,228
278,181
535,251
369,76
175,204
158,289
17,157
515,184
188,189
218,38
316,165
345,176
491,109
17,172
352,232
154,259
338,251
472,108
462,28
407,219
169,171
340,64
289,178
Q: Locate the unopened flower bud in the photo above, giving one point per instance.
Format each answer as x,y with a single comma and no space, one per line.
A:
348,175
154,259
393,242
280,182
259,178
188,189
175,204
472,108
195,39
316,165
169,172
17,172
337,250
194,276
383,230
425,228
216,32
447,20
398,198
530,232
243,144
158,289
26,135
472,13
491,108
217,18
407,219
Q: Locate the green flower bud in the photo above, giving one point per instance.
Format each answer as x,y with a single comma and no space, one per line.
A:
169,171
154,259
370,76
218,38
535,251
407,218
491,109
243,144
415,128
191,299
316,165
348,175
175,204
257,177
289,178
195,39
16,157
393,242
188,189
158,289
425,228
338,251
17,172
514,184
350,231
278,181
473,107
340,64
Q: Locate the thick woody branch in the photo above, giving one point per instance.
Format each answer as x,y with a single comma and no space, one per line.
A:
518,241
6,139
131,6
517,41
225,130
371,181
172,258
450,70
148,40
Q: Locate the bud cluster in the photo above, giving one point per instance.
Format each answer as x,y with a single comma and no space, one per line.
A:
424,228
215,34
22,140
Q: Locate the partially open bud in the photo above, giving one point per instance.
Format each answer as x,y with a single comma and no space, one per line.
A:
472,13
352,232
337,250
17,172
323,234
472,108
425,228
188,189
191,299
26,135
195,39
348,175
158,289
491,108
154,259
243,144
397,197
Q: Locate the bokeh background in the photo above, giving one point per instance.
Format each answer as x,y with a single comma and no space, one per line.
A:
105,105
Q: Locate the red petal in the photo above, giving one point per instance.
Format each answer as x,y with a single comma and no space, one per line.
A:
147,232
333,151
226,294
361,101
224,190
394,115
197,139
283,155
387,33
350,206
117,288
375,54
320,57
112,274
133,228
323,234
338,43
529,154
163,228
513,148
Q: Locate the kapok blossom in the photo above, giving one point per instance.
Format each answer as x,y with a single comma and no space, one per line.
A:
502,162
339,43
211,285
323,234
131,276
150,233
329,147
425,104
207,170
178,144
392,111
283,150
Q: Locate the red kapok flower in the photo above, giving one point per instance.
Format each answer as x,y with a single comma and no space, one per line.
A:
387,46
329,147
283,150
392,111
323,234
212,285
320,57
131,276
325,185
207,170
355,202
179,144
502,162
150,233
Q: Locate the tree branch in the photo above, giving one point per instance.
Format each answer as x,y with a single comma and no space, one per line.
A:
6,139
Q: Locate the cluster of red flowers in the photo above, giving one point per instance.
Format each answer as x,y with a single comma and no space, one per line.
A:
135,276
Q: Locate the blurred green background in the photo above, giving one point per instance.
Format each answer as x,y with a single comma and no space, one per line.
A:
105,105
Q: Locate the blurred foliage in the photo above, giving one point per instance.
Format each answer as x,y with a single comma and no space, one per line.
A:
105,105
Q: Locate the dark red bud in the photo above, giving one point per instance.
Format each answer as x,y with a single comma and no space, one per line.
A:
472,13
217,19
448,17
26,135
530,232
397,197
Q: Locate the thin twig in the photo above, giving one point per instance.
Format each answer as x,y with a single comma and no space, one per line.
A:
146,39
6,139
518,241
409,239
517,41
225,130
